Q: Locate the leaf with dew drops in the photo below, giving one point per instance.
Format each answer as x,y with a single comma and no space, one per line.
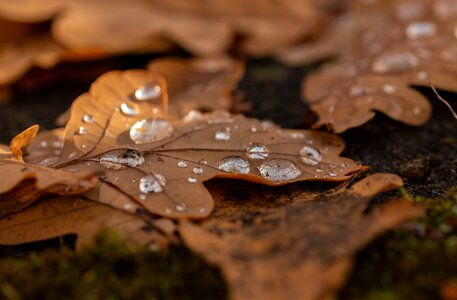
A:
300,247
383,48
161,162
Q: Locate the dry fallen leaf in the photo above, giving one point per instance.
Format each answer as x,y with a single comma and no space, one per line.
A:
191,84
23,46
265,26
22,141
52,218
384,48
295,247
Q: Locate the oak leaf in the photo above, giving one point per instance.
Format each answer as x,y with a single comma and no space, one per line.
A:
264,25
23,46
56,217
161,163
383,48
295,247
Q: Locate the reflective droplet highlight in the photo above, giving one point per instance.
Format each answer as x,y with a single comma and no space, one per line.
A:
152,183
130,109
223,135
395,62
88,119
279,170
418,30
234,164
310,155
116,161
257,151
182,164
148,92
150,131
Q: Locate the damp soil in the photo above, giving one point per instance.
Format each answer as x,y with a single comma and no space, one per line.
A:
425,157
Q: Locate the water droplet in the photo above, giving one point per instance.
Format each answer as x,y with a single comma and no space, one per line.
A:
82,130
83,146
192,179
57,144
203,162
181,207
279,170
192,116
168,211
197,170
152,183
254,129
222,135
148,92
389,88
73,155
150,130
333,166
43,144
395,62
182,164
416,110
142,197
116,161
130,109
357,90
88,119
418,30
310,155
331,174
201,210
257,151
234,164
127,206
422,75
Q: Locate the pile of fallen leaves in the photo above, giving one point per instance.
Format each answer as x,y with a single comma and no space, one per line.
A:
137,152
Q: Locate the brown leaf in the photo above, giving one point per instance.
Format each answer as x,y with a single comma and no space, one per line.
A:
25,183
295,247
264,25
384,48
163,167
23,47
199,84
52,218
22,141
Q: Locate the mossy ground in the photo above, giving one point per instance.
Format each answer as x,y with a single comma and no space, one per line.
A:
409,263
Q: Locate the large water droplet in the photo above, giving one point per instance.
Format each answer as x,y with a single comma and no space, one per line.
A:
418,30
130,158
130,109
88,119
395,62
257,151
150,130
148,92
152,183
310,156
223,135
234,164
279,169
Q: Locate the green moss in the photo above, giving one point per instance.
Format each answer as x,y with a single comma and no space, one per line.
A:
411,262
109,269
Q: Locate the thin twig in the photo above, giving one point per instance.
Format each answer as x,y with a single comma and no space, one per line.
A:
444,101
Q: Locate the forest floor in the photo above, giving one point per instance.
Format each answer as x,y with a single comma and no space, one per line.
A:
413,262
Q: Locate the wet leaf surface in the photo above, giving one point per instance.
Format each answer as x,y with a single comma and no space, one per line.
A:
383,48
